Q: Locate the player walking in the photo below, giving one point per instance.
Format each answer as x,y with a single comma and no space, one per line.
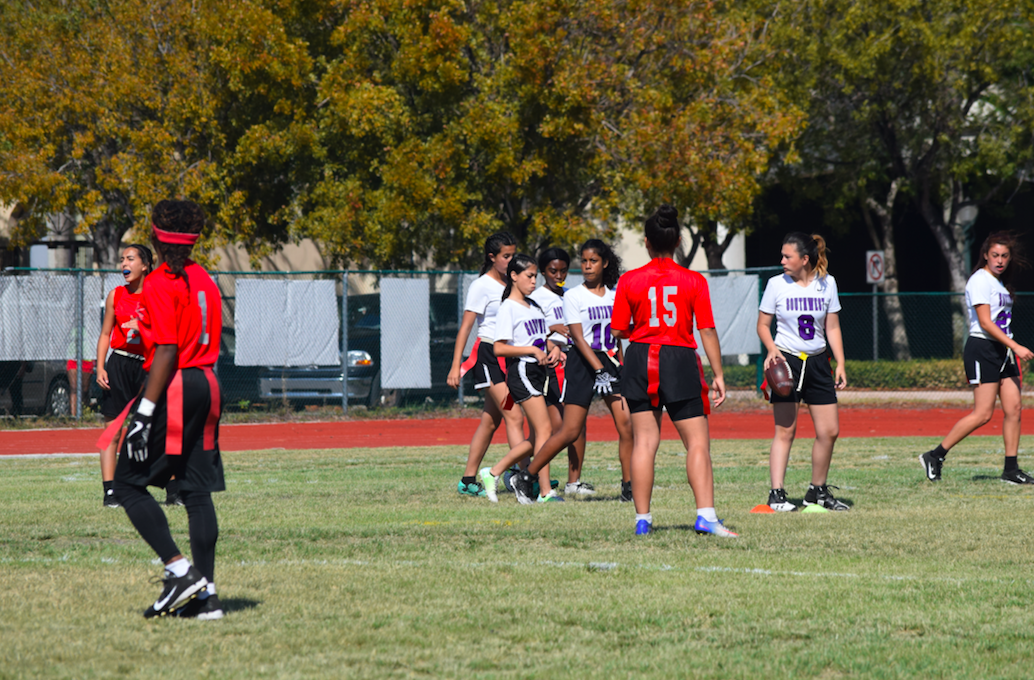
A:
122,375
594,367
654,309
175,423
806,306
483,300
554,264
991,356
520,338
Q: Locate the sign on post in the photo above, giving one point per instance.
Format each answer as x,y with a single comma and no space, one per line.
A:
874,269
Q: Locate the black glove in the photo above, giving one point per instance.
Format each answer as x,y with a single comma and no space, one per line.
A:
136,438
604,382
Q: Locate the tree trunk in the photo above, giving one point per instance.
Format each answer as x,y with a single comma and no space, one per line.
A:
885,241
952,242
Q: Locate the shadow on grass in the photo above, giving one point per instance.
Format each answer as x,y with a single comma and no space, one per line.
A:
238,604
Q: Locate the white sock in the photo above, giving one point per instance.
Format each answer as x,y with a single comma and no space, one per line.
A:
707,513
648,517
178,568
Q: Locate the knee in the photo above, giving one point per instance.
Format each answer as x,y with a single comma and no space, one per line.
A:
982,417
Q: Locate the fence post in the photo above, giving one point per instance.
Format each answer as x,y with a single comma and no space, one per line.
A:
875,327
79,322
459,322
344,343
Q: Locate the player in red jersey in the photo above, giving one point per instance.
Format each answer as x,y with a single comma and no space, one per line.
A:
122,374
175,423
654,309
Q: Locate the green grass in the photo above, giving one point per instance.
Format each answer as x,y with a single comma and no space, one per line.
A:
366,563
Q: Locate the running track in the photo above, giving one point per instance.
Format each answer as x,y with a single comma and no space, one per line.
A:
854,422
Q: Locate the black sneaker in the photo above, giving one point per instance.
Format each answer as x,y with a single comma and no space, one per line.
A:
177,592
207,609
626,492
931,465
173,498
777,501
111,500
522,488
1017,476
820,495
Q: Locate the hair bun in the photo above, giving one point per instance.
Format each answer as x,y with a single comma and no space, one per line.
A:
667,216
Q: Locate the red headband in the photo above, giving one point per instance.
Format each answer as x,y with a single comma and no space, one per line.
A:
175,238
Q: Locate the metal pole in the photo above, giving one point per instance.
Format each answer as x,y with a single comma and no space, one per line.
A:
79,346
459,320
875,327
344,343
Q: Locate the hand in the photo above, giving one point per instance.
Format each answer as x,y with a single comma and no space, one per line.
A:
102,377
604,382
772,357
718,389
136,438
840,377
132,325
453,379
555,356
540,356
1022,353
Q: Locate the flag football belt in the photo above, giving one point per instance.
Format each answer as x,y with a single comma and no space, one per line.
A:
128,355
803,356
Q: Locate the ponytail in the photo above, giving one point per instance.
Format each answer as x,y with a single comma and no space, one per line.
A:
814,247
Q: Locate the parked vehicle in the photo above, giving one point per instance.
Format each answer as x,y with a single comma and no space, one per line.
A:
313,384
35,388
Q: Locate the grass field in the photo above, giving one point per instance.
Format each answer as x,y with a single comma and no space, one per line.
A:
366,563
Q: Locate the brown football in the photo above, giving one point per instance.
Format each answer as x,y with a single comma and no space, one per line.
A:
779,378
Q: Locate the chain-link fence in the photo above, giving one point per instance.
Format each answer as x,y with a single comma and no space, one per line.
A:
284,342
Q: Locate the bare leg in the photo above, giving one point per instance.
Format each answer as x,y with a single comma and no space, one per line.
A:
785,431
983,406
623,424
1012,406
646,436
574,423
696,437
827,429
491,416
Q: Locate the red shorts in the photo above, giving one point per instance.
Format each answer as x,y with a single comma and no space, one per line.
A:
87,366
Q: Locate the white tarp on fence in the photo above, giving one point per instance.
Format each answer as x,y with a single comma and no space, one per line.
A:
287,323
734,301
405,334
38,316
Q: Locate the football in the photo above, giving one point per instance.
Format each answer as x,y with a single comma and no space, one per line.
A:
779,378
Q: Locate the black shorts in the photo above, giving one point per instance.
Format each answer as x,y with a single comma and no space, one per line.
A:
126,376
682,389
988,361
487,371
199,466
818,388
556,386
526,380
581,377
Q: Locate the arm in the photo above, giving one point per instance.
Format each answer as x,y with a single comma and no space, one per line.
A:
466,325
511,351
765,334
105,339
836,343
997,334
162,367
578,338
709,339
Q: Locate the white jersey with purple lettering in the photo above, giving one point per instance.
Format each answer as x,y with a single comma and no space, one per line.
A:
553,307
984,289
800,311
483,298
593,312
521,326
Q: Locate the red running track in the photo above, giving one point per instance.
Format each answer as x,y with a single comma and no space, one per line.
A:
854,422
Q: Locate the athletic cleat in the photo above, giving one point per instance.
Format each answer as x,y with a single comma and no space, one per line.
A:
535,490
551,497
778,502
207,609
702,526
491,483
931,465
522,483
626,492
177,592
820,495
508,479
173,498
111,500
580,488
472,489
1017,476
642,527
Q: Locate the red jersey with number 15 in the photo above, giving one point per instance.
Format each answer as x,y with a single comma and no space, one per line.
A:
188,316
657,303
